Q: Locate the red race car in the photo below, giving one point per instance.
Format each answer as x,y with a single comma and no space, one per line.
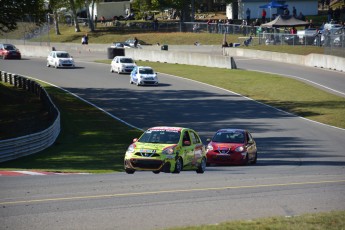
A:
8,51
231,147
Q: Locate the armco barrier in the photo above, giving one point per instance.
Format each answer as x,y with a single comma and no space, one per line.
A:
311,60
212,52
187,58
25,145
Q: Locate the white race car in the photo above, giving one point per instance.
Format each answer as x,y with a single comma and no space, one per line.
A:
60,59
122,64
143,75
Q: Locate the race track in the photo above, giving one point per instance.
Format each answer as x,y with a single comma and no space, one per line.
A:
300,169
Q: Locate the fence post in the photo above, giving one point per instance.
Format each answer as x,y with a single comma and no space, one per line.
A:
20,81
11,78
15,76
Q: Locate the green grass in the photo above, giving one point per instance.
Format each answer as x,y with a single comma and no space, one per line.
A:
21,112
331,221
93,142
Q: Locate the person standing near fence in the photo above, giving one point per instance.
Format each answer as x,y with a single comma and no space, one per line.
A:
86,39
263,16
135,42
83,40
248,15
294,12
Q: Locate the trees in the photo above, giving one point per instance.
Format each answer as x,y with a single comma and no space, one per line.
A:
74,15
14,11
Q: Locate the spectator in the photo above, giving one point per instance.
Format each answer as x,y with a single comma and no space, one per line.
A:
135,42
301,16
83,40
263,16
209,25
248,41
244,27
329,14
102,20
196,28
311,25
248,14
293,30
86,39
294,12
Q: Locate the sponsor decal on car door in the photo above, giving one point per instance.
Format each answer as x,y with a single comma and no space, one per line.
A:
188,149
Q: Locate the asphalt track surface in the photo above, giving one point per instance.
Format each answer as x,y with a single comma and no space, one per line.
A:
300,169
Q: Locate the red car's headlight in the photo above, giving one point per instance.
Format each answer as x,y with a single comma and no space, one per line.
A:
209,147
240,149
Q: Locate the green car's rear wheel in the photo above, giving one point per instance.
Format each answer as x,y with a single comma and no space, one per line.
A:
202,166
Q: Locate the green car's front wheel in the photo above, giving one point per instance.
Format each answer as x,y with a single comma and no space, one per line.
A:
129,171
178,165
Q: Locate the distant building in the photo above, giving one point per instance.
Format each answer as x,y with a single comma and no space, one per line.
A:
111,8
237,10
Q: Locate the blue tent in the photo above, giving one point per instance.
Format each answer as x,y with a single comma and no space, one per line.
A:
273,4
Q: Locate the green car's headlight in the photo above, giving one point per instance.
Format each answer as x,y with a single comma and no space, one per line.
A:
169,150
131,148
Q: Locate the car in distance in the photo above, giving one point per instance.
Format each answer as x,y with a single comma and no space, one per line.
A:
166,149
122,64
119,45
231,147
130,42
9,51
143,75
60,59
307,36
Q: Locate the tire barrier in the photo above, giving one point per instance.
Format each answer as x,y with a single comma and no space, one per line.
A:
29,144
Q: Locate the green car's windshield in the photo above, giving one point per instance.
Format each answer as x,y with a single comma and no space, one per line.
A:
160,136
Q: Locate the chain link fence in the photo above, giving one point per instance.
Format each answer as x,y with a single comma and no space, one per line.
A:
334,44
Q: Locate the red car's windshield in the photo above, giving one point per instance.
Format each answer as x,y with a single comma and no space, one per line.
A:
229,137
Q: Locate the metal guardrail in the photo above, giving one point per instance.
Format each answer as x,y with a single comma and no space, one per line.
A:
26,145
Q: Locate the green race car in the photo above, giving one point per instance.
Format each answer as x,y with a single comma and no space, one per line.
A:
166,149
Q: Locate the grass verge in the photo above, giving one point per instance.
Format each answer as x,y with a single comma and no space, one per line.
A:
331,221
21,113
90,141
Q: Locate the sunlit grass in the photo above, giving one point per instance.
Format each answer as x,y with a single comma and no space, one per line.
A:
321,221
90,141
